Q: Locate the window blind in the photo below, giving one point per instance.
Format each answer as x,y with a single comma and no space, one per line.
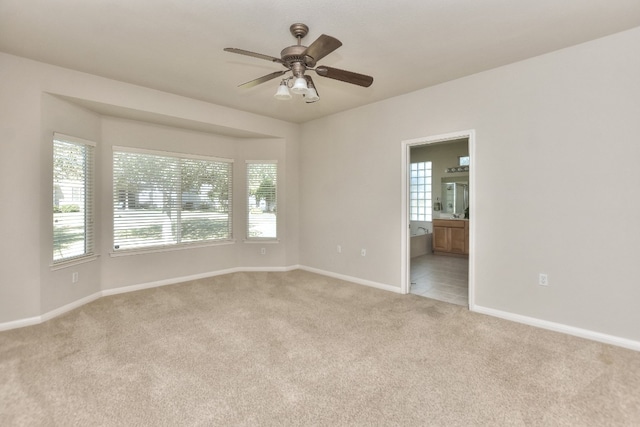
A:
167,199
73,186
262,182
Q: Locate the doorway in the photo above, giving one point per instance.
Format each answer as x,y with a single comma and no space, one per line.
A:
440,269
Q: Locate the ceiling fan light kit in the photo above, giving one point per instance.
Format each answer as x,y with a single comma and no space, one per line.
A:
299,86
298,59
283,92
312,93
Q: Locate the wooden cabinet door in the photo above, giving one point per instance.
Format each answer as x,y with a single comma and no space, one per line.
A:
440,239
457,240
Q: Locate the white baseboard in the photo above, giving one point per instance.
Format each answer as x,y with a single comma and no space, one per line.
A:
165,282
269,269
20,323
352,279
559,327
30,321
68,307
544,324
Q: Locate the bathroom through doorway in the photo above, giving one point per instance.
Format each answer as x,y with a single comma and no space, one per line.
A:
438,228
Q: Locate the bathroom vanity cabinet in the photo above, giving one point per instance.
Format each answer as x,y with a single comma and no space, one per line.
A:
451,237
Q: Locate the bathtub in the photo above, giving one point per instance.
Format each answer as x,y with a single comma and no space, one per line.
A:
420,244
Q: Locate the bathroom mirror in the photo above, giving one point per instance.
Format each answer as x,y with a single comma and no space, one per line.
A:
455,194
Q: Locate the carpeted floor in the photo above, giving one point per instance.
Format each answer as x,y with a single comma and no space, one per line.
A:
298,348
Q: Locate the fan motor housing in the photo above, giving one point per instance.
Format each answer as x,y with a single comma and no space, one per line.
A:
292,54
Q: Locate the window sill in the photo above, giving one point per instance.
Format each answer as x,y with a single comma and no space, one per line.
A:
266,241
72,262
128,252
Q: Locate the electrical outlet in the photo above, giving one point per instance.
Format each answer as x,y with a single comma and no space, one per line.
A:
263,251
74,277
363,252
339,249
543,279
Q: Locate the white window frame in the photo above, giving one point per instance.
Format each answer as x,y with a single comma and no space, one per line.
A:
86,195
180,207
252,222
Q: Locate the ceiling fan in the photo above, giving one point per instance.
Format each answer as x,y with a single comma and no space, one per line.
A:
298,59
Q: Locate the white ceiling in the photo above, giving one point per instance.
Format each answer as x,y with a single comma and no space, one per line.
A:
176,45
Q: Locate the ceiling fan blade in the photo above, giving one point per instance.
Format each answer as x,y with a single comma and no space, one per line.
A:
323,46
262,79
344,76
255,55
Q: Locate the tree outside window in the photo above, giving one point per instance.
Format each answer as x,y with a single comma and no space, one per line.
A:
72,198
262,200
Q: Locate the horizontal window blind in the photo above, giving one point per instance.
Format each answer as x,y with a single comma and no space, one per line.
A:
167,199
73,186
262,182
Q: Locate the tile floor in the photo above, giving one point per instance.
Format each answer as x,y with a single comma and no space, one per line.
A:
441,277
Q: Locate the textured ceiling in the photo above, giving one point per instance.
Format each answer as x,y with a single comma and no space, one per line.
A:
176,45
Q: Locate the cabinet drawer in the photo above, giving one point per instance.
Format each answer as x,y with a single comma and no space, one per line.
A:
451,223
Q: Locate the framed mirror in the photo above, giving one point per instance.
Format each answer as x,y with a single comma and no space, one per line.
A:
455,195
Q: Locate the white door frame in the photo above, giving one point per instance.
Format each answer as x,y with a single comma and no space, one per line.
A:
405,250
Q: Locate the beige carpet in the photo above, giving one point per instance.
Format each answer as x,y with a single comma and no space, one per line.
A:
297,348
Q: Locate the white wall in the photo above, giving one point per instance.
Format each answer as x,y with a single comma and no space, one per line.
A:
552,134
19,183
31,110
